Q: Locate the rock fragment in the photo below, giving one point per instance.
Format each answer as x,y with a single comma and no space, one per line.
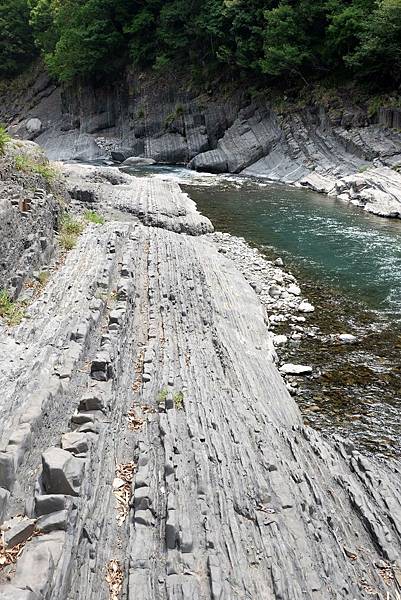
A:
62,473
290,369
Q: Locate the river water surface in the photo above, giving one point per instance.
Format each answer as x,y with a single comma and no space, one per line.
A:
348,264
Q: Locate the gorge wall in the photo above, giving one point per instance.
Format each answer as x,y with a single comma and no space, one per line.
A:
334,148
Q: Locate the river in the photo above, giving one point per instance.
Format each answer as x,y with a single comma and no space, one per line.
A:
348,264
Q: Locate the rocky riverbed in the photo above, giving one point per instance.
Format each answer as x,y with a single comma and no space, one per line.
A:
148,439
339,362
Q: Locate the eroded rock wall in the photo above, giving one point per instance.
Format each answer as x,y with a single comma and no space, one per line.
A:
30,205
164,120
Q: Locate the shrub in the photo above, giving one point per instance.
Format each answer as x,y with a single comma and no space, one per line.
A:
70,229
178,399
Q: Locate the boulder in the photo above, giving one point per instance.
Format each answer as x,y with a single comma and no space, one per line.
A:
47,504
62,473
76,443
17,531
34,126
101,368
53,522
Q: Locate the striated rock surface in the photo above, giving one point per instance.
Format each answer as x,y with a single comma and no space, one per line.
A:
155,203
185,470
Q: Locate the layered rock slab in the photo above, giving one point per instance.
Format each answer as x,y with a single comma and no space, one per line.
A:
153,202
232,497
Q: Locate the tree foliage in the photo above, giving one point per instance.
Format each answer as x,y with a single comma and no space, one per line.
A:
16,39
273,40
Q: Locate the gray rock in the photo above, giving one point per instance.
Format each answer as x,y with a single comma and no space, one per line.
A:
134,161
76,443
17,531
55,521
36,567
62,473
49,503
101,368
4,497
10,592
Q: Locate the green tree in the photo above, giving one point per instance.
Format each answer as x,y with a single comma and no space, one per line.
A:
378,56
17,47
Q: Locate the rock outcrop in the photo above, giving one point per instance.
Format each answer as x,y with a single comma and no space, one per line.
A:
146,428
30,200
377,190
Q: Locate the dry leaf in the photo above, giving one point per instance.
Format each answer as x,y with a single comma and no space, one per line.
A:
122,489
114,579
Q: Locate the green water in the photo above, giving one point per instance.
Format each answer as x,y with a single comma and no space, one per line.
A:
340,245
348,264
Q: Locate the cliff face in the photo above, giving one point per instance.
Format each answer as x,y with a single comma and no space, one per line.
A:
313,146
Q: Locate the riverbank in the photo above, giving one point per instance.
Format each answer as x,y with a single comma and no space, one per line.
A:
155,448
332,143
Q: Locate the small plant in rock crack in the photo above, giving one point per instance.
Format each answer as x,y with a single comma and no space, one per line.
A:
28,165
4,139
69,231
162,396
12,312
94,217
178,400
43,278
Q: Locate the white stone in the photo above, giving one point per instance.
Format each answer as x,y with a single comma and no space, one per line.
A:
280,340
293,289
290,369
306,307
33,125
118,483
347,338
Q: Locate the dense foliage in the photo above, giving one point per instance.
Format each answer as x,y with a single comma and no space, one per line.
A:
16,38
273,40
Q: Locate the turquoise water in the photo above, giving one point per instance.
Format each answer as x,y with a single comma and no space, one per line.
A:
339,245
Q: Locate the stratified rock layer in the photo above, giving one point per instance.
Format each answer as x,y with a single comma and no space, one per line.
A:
311,145
190,475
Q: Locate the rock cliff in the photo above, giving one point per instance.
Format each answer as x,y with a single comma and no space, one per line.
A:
150,448
312,145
